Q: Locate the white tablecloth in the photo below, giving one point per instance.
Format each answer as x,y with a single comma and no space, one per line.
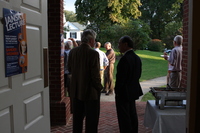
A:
169,120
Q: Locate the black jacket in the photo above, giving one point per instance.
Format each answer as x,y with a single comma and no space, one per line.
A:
127,86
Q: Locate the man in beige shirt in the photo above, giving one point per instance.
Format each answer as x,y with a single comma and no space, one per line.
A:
175,60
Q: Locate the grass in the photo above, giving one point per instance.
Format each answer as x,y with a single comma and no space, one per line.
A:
147,96
153,66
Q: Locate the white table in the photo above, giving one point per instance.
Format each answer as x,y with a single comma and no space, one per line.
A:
169,120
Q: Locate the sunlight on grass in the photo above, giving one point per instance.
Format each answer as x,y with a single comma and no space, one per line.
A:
148,96
153,65
150,57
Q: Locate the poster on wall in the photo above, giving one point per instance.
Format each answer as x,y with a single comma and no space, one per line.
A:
15,42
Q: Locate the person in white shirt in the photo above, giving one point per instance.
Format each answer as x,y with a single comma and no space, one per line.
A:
104,62
175,60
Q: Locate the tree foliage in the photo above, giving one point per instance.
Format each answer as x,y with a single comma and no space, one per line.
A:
159,13
136,29
70,16
100,12
171,30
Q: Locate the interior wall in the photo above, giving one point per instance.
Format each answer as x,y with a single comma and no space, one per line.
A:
193,78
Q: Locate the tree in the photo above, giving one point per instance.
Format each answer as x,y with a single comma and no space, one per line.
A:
158,13
136,29
100,14
114,11
70,16
171,30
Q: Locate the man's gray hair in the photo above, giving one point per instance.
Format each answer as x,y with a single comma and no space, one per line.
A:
178,39
108,43
68,44
87,35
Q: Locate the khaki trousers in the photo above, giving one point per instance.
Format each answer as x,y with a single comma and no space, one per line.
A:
175,79
108,78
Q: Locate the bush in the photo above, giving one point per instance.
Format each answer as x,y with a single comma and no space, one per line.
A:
155,45
137,30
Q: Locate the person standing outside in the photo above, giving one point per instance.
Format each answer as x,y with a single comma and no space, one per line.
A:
69,44
85,87
68,47
103,60
108,73
174,60
127,86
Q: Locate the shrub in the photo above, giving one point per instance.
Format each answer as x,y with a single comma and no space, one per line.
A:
155,45
137,30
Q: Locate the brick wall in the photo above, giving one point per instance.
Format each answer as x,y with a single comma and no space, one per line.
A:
59,104
185,42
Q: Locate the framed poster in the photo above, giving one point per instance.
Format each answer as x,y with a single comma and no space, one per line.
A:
15,42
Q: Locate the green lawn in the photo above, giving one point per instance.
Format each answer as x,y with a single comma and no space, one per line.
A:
147,96
153,65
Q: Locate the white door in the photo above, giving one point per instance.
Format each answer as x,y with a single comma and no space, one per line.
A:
24,98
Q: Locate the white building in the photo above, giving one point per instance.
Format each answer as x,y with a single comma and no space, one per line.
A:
74,30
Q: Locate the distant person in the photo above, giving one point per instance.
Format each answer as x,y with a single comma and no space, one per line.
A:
127,86
62,39
175,60
85,87
69,44
75,44
103,60
78,42
168,71
108,73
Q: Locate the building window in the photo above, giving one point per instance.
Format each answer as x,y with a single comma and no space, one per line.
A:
73,34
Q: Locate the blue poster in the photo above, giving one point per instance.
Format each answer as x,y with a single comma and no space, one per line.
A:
15,42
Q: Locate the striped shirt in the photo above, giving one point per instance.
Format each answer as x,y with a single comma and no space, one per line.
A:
175,59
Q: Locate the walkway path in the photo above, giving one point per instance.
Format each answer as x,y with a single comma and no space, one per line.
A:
157,82
108,118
